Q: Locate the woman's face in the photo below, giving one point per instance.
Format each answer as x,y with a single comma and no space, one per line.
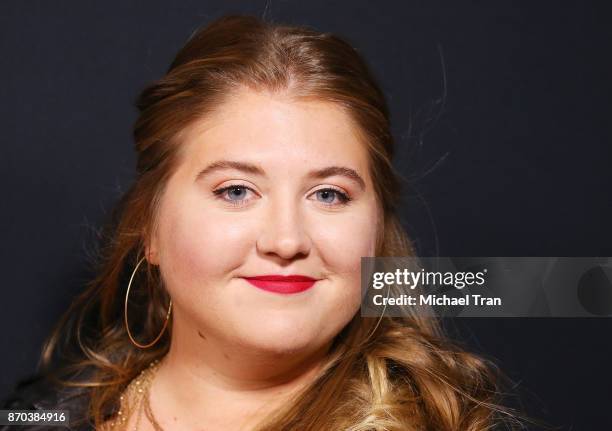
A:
280,159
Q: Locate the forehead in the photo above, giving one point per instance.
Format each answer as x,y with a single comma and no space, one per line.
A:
276,130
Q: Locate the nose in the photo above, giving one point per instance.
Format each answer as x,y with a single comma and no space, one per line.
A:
283,232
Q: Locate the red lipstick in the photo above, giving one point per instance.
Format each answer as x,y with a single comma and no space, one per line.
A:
282,283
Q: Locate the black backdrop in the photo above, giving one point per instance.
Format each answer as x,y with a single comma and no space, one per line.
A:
500,112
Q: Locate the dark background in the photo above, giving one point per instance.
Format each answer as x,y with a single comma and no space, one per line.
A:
500,111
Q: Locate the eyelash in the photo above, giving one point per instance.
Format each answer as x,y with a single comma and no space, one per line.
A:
343,197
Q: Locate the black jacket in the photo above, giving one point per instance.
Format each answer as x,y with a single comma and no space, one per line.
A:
37,393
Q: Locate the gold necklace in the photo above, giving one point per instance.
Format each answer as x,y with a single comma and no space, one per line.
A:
135,398
148,411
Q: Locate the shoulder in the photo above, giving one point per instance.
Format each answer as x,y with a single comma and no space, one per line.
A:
37,392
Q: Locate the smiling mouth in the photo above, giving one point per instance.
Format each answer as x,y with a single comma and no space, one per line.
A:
282,284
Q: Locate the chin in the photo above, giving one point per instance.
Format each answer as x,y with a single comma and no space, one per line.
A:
282,337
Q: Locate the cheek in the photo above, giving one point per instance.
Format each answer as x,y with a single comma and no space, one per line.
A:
341,245
200,246
344,241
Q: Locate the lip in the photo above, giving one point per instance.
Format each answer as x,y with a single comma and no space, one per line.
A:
285,284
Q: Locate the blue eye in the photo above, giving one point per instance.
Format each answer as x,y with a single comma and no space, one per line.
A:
328,196
236,192
236,195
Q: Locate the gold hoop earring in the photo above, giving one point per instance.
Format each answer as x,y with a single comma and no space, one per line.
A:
125,315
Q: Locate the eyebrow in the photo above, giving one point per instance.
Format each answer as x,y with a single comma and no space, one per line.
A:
256,170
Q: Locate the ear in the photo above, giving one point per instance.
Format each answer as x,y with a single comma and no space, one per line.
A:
152,251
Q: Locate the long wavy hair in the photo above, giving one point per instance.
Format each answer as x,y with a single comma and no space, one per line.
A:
381,373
